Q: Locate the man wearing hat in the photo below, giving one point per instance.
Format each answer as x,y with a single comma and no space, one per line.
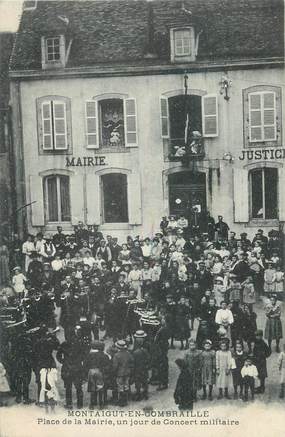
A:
48,250
244,241
123,366
221,228
35,270
97,366
141,366
260,354
71,354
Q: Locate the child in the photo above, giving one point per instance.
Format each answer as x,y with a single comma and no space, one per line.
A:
208,358
279,278
248,373
239,356
248,292
269,278
281,365
273,328
183,394
224,364
18,281
4,386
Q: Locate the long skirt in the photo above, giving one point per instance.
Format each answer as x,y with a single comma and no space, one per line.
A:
273,329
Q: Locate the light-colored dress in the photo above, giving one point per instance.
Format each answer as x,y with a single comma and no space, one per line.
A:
224,364
281,365
4,265
279,284
249,293
18,282
4,386
27,248
134,279
269,280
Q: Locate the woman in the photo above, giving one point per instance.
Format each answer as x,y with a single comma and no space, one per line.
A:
273,327
248,326
4,264
124,255
27,249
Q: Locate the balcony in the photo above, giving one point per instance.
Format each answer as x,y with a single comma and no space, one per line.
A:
194,150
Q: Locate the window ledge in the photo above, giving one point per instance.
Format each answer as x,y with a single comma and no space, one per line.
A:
115,226
261,222
101,150
52,227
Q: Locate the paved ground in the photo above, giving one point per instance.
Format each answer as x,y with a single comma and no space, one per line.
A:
163,400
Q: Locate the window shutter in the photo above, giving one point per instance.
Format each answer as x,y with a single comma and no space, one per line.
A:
60,133
241,195
255,116
164,117
269,116
134,199
91,112
47,139
130,118
93,199
210,115
37,208
281,199
77,198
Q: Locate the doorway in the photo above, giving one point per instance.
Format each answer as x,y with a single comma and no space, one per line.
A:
186,191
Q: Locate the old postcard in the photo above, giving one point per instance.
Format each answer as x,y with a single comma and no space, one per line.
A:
142,211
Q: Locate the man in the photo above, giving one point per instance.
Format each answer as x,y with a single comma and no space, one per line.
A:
48,250
81,234
115,249
141,366
241,268
35,271
59,241
204,277
221,228
261,352
104,251
232,243
160,356
123,365
71,354
244,241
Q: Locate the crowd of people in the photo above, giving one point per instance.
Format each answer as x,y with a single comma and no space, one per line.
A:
119,308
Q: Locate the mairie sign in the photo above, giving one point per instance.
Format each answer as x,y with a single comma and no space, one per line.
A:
85,161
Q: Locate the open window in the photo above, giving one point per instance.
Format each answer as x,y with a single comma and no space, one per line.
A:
114,198
111,123
264,193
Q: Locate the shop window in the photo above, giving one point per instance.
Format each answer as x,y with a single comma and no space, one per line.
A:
111,123
262,109
115,198
57,198
264,193
54,124
182,43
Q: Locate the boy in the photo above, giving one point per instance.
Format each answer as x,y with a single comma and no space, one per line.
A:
248,373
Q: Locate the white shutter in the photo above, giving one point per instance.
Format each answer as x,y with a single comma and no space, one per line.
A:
255,117
93,199
241,195
47,135
59,120
130,118
269,116
36,194
281,196
134,199
164,117
77,198
91,116
210,115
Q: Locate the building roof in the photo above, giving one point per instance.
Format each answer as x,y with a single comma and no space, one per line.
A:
109,32
6,43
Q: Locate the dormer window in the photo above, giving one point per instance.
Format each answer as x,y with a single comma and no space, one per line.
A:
53,52
53,49
182,43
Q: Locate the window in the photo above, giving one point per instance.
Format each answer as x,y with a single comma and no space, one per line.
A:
262,111
54,124
264,193
111,123
182,43
115,198
57,198
30,5
53,49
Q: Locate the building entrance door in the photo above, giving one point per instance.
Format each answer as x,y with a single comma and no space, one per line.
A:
186,191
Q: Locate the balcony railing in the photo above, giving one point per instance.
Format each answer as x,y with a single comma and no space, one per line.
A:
194,150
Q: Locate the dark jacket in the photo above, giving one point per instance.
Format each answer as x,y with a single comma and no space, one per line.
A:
123,363
141,364
70,354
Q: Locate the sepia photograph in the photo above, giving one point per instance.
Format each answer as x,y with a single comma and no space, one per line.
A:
142,213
